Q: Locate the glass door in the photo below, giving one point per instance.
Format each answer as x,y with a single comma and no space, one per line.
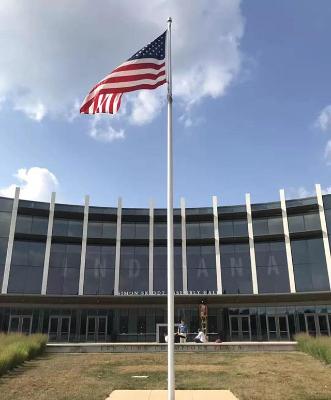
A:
20,324
96,328
240,328
162,332
311,325
323,324
59,328
277,327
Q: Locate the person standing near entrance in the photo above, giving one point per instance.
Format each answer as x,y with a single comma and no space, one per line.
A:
182,331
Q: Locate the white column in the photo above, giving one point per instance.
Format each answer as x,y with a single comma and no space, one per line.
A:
118,247
217,247
10,241
251,243
151,247
287,242
184,259
84,242
324,230
48,243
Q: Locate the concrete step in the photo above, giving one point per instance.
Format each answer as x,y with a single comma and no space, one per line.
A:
160,347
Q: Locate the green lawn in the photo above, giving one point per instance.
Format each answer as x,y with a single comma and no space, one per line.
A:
256,376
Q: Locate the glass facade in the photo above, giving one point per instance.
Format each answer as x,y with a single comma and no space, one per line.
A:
201,268
304,223
99,270
233,228
28,224
160,269
143,318
148,323
6,206
309,265
64,227
271,267
268,226
101,230
134,269
236,268
26,267
199,230
64,266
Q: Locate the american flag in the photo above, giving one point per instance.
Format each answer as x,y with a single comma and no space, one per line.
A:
144,70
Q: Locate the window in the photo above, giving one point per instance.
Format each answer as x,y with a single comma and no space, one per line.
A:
233,228
160,230
201,268
64,266
99,270
5,218
106,230
271,267
160,268
135,230
199,230
305,222
268,226
31,225
6,204
134,268
309,265
236,268
26,267
67,227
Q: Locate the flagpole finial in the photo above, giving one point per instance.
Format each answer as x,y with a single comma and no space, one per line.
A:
169,19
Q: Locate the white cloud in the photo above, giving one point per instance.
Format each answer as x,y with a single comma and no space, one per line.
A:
146,106
324,119
327,153
298,193
36,184
102,130
302,191
35,111
56,53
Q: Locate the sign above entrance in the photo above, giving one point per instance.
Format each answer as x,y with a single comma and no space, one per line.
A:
163,293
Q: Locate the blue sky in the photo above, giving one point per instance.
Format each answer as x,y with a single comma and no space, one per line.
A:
252,102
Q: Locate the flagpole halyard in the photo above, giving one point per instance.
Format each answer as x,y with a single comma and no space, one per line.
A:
170,239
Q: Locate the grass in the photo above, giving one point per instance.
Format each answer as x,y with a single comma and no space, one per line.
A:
250,376
319,347
15,349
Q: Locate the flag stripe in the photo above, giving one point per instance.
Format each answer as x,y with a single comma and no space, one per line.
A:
144,70
124,86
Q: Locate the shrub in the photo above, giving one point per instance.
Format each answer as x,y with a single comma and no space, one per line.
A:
319,347
15,349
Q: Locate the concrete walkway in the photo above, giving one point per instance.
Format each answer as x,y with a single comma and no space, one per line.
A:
180,395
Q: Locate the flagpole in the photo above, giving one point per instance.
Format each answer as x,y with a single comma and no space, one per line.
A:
170,239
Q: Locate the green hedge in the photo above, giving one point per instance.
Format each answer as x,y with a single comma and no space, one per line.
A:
15,349
319,347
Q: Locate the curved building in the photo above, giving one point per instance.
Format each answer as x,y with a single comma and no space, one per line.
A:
85,273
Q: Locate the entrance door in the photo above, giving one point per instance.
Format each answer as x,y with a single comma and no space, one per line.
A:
310,322
20,324
277,327
96,328
323,324
162,330
240,328
317,324
59,328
